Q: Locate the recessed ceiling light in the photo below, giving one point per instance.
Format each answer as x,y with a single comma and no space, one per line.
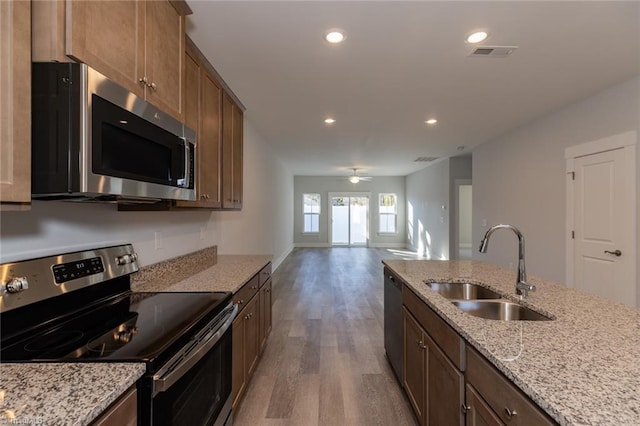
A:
329,120
335,36
477,37
431,121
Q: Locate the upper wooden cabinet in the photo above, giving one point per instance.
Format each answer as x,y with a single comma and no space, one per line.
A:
232,145
203,112
138,44
15,105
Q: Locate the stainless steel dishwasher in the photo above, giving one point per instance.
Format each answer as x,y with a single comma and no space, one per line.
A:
393,327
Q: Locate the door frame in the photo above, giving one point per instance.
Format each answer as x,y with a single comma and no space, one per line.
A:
627,141
330,195
455,253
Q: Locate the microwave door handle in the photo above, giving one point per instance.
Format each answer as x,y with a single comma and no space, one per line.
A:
187,164
162,381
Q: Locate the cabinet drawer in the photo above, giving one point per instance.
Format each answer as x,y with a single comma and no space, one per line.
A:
265,274
444,336
244,295
502,396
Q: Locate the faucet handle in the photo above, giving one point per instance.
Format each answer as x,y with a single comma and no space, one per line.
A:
523,288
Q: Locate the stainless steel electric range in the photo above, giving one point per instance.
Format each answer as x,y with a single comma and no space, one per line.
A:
79,307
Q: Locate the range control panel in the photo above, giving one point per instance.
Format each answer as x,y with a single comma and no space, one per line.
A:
64,272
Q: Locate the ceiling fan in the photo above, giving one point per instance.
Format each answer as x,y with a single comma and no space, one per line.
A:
355,178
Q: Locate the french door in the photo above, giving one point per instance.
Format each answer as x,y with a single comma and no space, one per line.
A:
349,219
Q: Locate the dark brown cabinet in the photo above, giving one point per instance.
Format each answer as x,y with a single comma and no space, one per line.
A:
434,385
123,412
477,411
250,330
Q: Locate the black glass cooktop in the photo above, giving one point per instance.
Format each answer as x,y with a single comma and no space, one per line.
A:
131,327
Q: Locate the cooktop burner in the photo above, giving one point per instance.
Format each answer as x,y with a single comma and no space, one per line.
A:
134,327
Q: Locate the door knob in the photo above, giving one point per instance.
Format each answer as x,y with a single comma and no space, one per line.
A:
615,253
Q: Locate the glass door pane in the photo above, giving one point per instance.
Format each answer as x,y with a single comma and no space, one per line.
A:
358,218
340,220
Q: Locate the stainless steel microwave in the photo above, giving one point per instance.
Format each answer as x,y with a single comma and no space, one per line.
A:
92,140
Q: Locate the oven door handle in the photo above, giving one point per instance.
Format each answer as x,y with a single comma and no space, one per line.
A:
164,380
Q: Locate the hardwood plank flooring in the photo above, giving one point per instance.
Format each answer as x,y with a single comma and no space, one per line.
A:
324,363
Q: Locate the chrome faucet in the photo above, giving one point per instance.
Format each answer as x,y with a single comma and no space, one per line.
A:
522,286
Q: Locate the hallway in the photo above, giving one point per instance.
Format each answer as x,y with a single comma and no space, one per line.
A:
324,363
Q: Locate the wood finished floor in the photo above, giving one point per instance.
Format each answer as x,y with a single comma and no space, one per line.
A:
324,363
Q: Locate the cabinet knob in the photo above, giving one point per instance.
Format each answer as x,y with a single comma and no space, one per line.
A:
421,344
240,302
465,408
144,81
253,287
153,87
510,413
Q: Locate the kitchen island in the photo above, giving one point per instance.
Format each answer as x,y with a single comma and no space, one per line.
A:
581,368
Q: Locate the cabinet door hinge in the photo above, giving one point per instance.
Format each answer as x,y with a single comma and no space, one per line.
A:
573,175
573,235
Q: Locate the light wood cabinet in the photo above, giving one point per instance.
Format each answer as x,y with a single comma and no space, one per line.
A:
15,105
123,412
232,145
203,113
138,44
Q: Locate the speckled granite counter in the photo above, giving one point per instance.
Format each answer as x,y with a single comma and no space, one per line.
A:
229,274
62,394
583,368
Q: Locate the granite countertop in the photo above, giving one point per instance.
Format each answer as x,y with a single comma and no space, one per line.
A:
229,273
582,368
76,393
55,394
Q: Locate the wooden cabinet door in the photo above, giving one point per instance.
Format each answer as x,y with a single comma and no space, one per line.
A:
251,344
232,141
164,56
265,314
209,142
15,103
445,388
238,376
109,36
478,412
414,364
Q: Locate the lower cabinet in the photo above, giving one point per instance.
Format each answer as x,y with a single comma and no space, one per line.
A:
448,382
495,399
123,412
434,385
250,331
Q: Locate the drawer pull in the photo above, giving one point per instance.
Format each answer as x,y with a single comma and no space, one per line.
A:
510,413
253,287
240,302
465,408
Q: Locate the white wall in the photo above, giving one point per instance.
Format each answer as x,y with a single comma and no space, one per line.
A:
519,178
325,184
465,203
428,210
263,226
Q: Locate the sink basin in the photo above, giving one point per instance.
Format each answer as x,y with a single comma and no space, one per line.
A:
463,291
499,310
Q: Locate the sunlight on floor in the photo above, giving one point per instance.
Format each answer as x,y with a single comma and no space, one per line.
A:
405,254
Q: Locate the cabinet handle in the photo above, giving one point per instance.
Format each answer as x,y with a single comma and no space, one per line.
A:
268,290
153,87
510,413
253,287
144,81
392,279
421,344
465,408
240,302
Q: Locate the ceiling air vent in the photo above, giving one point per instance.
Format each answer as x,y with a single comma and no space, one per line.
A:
425,159
493,51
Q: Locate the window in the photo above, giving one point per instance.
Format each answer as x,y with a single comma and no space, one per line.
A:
388,210
311,213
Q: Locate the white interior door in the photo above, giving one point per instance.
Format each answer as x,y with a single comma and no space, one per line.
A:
604,222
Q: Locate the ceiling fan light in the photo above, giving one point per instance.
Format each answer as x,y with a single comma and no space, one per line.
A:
354,179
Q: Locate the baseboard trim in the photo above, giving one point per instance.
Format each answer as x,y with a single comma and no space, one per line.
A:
312,245
277,261
388,245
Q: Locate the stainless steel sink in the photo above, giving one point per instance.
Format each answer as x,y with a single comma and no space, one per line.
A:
499,310
463,291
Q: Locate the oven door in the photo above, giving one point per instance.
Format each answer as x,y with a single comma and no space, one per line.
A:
194,387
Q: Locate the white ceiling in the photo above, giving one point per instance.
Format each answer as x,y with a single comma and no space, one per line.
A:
403,62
